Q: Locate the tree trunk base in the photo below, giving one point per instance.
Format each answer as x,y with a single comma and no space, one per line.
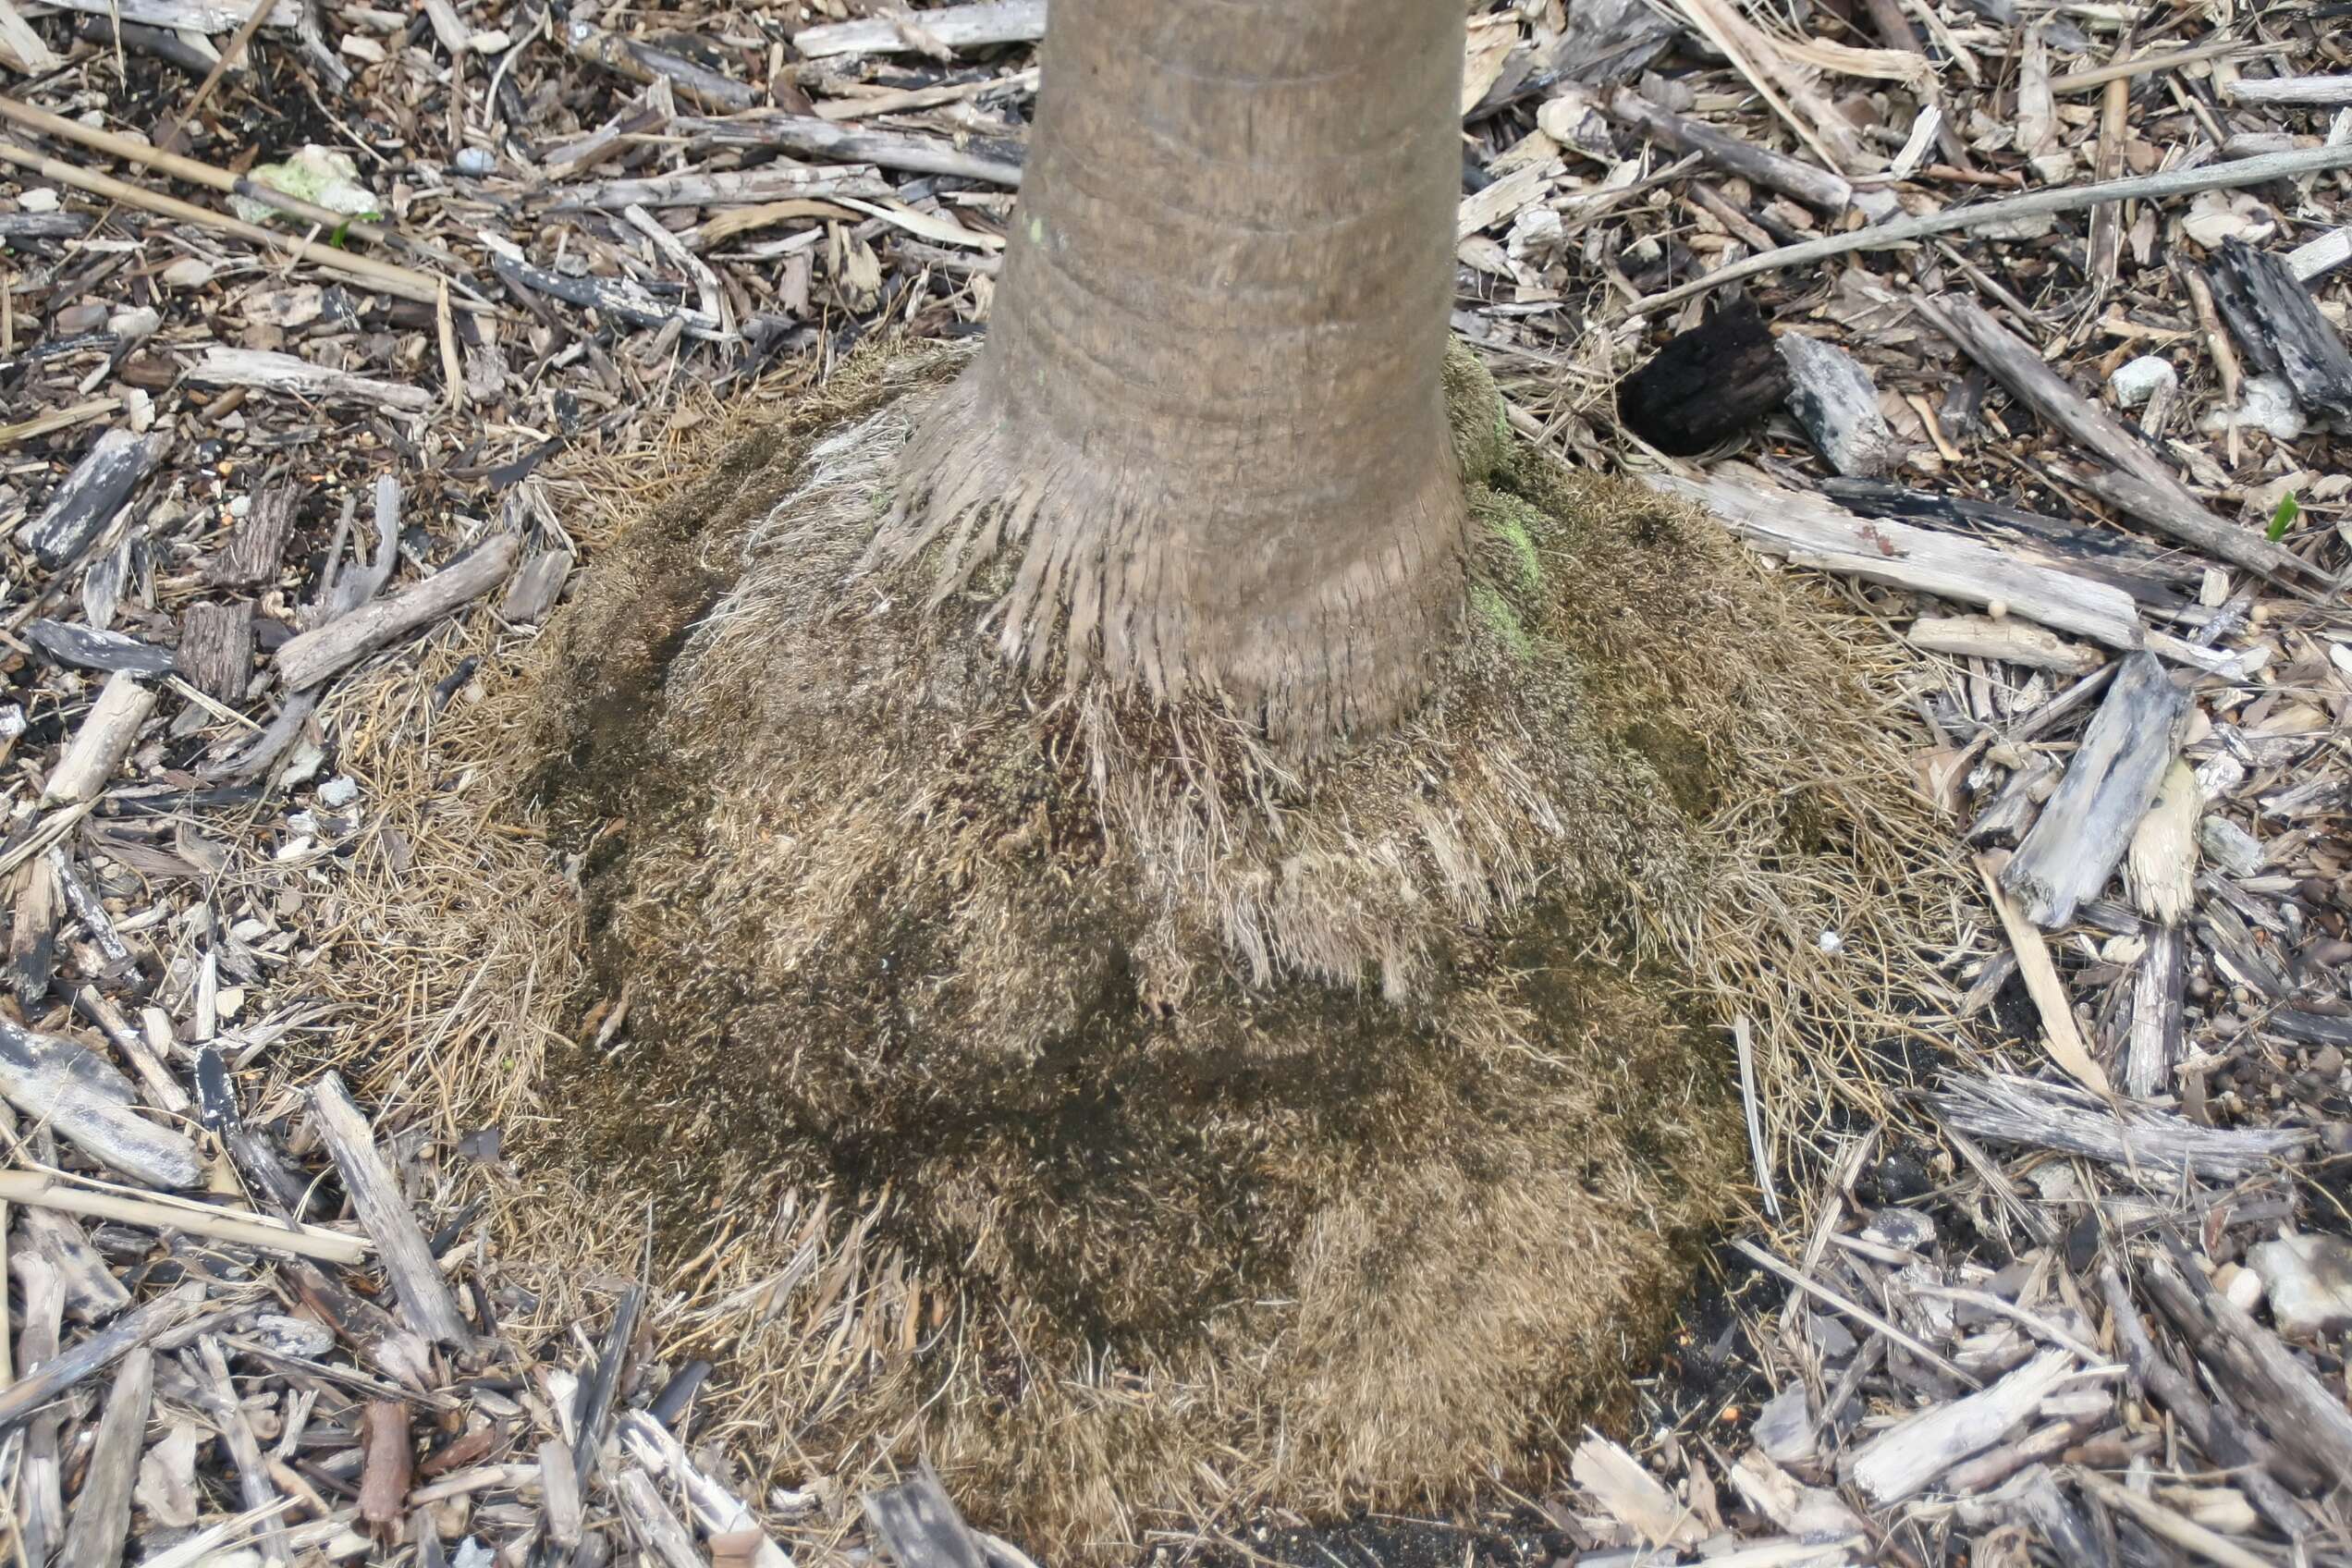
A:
1179,1111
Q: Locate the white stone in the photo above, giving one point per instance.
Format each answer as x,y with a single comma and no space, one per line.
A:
189,272
2242,1286
2269,407
40,198
337,791
2309,1279
2136,381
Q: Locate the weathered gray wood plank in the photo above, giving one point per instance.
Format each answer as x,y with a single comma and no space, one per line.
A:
2075,844
425,1297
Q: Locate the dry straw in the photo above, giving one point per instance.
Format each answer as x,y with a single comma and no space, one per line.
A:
1075,1094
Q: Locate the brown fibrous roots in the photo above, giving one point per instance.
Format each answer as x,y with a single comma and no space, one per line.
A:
1207,1124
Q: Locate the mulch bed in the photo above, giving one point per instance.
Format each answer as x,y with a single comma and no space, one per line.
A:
2075,1278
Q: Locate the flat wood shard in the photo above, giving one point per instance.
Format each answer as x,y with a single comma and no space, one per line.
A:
2082,833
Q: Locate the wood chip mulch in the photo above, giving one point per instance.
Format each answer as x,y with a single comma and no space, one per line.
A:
2022,321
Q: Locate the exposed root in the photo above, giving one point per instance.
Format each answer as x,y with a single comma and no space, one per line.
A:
1092,574
1079,1092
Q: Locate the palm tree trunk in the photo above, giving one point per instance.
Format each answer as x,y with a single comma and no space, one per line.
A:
1207,433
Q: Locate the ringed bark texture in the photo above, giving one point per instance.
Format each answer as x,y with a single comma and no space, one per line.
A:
1207,433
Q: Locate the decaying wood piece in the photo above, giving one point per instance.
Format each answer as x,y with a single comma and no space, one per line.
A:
110,653
1609,41
141,1325
1809,183
101,1519
306,660
717,1512
2161,870
1810,532
2061,1036
2007,639
2149,1145
592,1403
32,931
87,499
1833,398
39,1483
664,1540
537,587
37,1189
217,1395
641,61
806,136
2162,866
955,26
388,1466
117,962
2317,258
2158,1035
408,1262
92,1106
617,298
1707,385
919,1525
191,16
1900,1461
770,182
1637,1499
2255,1366
272,372
254,551
2327,90
380,1339
559,1493
2279,326
92,1294
2084,829
2155,496
2150,575
2165,1524
2227,1441
216,647
104,739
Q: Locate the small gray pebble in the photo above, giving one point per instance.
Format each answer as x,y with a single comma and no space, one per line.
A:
475,160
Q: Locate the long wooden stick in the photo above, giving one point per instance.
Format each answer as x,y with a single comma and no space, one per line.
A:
197,172
388,276
2119,70
1899,231
36,1188
95,1355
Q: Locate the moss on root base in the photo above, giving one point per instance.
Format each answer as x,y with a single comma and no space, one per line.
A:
1335,1139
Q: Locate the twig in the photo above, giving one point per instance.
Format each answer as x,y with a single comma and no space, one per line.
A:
95,1355
178,124
392,278
1855,1310
2096,77
197,172
38,1190
1899,231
